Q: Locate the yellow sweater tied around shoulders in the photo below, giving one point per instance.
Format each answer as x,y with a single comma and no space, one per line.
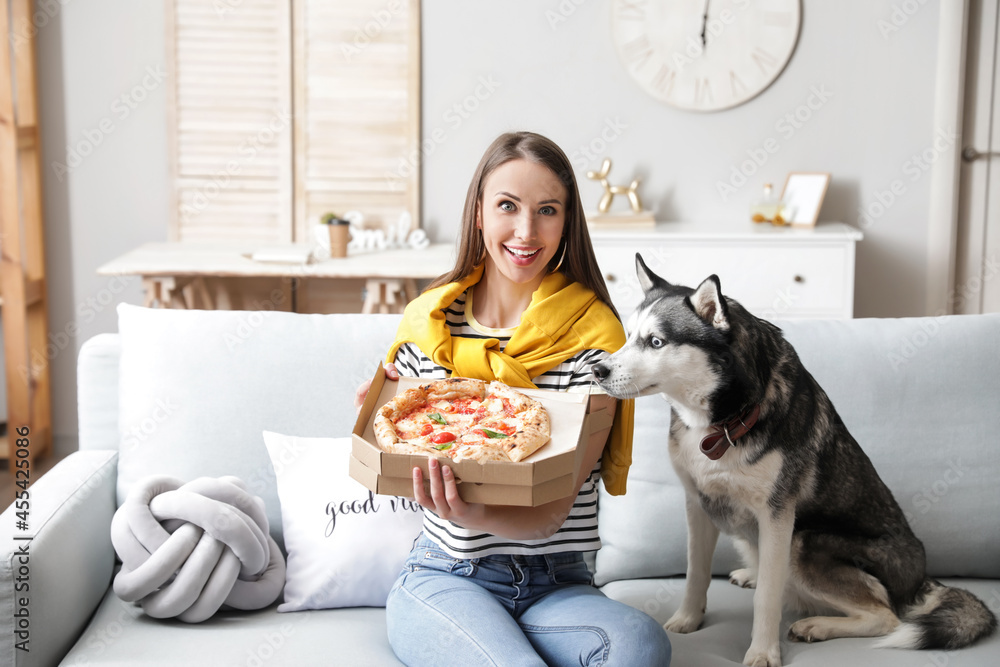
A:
563,319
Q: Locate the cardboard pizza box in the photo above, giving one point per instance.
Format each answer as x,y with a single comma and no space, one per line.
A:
547,475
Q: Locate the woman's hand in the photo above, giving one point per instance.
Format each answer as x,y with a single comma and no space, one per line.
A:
359,396
444,500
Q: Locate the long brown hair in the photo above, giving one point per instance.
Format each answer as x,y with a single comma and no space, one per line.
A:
579,264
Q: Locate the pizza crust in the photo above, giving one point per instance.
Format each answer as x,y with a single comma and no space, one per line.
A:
384,426
454,388
532,419
480,454
529,440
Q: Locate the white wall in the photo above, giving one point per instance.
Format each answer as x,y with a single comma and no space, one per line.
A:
555,71
561,79
103,117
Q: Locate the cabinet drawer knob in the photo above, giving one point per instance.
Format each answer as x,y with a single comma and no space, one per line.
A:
799,279
610,277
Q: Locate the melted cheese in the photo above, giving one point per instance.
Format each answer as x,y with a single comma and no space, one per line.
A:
462,423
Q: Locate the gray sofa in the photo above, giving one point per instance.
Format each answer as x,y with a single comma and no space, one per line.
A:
188,393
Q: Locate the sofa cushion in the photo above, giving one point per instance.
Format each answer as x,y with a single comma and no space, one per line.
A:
724,636
346,546
197,389
119,633
918,394
920,397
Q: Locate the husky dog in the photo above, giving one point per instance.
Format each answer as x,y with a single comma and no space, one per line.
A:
764,457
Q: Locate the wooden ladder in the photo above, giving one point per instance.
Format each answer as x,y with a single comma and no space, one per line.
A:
23,299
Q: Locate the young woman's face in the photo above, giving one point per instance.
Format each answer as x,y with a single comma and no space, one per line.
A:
522,214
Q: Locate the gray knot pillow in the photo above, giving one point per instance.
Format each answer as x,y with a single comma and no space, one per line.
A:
188,549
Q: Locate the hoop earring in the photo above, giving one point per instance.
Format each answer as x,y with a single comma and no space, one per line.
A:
561,258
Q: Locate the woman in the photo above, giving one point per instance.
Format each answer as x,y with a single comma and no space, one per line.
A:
525,304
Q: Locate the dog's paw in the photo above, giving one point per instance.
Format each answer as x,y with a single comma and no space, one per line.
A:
758,658
808,630
745,578
683,622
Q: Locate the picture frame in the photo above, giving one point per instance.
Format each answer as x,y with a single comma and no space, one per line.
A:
803,195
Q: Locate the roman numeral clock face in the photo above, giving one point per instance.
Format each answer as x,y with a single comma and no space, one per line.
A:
705,55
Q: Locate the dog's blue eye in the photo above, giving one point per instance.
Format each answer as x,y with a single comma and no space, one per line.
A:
655,342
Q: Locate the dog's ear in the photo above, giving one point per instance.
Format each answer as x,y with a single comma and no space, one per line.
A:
709,304
647,279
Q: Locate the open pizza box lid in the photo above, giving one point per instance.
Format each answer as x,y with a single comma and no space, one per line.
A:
547,475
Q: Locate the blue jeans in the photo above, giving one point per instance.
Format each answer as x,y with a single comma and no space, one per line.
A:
513,611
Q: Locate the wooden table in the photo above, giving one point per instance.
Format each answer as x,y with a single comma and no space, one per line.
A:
173,274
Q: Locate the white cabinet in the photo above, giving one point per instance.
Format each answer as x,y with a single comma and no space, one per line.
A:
775,272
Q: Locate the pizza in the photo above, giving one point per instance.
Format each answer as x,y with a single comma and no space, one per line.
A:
463,419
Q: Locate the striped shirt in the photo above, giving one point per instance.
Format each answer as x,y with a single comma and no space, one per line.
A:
579,531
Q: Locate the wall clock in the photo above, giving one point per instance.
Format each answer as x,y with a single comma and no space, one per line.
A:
705,55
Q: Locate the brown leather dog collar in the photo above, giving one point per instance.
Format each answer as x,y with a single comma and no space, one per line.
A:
724,436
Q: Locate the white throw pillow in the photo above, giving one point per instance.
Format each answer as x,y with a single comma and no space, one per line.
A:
345,545
197,387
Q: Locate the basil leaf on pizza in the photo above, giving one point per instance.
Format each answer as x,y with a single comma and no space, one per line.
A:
463,419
